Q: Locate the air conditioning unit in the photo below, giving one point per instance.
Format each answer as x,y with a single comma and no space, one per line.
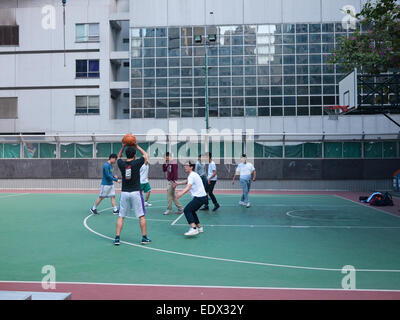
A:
115,94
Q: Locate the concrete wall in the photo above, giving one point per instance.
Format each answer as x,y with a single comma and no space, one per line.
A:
269,169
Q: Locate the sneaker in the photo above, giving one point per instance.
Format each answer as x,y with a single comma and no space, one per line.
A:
192,232
248,205
145,240
204,208
201,230
116,241
93,211
115,212
167,212
147,204
179,212
216,207
241,203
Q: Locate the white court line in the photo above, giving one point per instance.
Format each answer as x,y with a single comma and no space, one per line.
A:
289,226
177,219
292,205
104,209
228,260
174,223
206,287
274,205
149,219
269,225
14,195
271,205
289,213
158,201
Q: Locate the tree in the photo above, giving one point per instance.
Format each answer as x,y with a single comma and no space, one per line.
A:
375,48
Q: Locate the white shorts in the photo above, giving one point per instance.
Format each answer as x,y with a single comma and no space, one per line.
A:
131,201
107,191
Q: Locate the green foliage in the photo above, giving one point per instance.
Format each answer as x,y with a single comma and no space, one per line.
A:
376,48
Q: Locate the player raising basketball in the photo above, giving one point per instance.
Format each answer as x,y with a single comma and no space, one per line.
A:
131,196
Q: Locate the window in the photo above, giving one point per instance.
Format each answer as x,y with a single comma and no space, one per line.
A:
253,70
86,105
9,35
87,69
87,32
8,108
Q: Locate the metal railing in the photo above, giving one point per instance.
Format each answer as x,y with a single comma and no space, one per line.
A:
223,146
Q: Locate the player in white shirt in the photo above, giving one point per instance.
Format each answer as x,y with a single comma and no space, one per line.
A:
245,170
211,181
199,198
144,182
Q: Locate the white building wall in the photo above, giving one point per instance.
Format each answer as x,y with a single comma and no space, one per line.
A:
53,110
197,12
260,11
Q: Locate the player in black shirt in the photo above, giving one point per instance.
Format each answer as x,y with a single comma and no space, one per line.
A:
131,196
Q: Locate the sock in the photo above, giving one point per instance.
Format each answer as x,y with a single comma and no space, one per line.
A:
116,237
94,208
144,236
115,208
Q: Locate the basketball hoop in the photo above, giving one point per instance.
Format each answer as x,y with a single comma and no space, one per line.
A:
335,111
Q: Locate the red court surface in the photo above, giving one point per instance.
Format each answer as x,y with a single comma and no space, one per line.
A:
151,292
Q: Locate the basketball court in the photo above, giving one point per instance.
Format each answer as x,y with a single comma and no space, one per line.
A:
237,81
287,245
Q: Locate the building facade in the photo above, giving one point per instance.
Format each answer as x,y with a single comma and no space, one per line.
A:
131,66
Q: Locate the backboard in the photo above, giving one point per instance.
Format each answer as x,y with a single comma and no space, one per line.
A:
348,91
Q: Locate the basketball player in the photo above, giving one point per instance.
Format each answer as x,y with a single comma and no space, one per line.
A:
171,168
199,198
144,182
211,181
107,189
245,170
200,169
131,196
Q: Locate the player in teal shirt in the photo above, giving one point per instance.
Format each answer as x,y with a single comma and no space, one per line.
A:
108,177
107,185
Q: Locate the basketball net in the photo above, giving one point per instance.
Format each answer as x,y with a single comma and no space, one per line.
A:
335,111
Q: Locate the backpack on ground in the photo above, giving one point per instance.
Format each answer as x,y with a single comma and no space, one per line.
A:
378,199
383,200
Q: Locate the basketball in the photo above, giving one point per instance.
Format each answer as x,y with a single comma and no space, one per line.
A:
129,139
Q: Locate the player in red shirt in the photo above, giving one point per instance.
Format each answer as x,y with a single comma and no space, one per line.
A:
171,168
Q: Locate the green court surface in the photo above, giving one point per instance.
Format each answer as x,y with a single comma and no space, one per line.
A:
282,241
